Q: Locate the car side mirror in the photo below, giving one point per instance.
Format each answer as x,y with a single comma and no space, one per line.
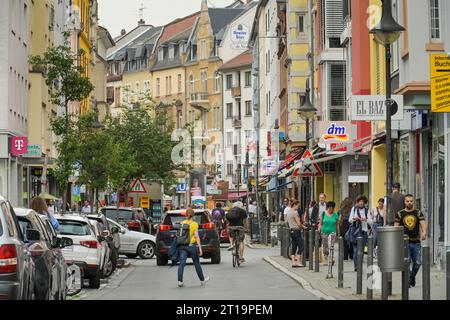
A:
115,230
56,242
65,242
33,235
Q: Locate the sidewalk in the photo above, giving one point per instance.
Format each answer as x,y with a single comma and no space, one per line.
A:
328,288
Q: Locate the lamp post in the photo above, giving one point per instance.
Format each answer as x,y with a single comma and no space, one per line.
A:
386,33
96,124
307,112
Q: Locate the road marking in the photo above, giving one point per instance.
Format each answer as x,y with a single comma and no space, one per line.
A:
305,284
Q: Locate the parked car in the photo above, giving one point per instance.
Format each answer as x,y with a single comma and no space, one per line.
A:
86,251
17,272
125,216
112,240
106,251
207,233
50,268
132,243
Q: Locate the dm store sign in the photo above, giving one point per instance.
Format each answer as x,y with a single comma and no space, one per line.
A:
336,132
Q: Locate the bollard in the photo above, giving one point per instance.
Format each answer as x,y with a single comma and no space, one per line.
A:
311,248
316,252
359,265
305,247
282,240
341,263
405,272
369,268
384,286
448,273
426,272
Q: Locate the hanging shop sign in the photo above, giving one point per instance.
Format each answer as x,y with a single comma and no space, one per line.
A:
240,35
440,82
373,108
19,146
336,132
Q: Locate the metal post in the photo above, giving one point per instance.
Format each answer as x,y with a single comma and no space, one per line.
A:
359,265
369,268
305,246
311,248
426,272
384,286
448,273
405,272
341,263
316,252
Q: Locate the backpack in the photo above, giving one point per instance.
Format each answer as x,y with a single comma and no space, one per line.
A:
379,219
183,236
355,229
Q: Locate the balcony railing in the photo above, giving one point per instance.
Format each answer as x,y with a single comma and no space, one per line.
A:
199,99
237,122
236,92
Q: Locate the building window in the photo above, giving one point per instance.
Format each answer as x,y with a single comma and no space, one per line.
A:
191,84
435,21
171,52
180,84
229,81
161,54
336,92
204,80
217,83
203,49
158,87
117,97
301,23
147,87
229,110
229,139
332,23
248,79
230,168
248,108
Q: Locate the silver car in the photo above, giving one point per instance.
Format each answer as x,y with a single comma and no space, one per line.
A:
132,243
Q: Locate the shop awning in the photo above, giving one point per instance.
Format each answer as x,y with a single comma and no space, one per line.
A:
236,195
280,187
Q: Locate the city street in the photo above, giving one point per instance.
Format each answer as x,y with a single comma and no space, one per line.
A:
255,280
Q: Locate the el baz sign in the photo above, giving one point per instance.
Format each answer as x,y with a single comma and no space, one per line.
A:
373,108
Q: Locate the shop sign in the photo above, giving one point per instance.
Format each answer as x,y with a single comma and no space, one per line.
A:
373,108
181,188
33,151
19,146
240,36
341,132
440,82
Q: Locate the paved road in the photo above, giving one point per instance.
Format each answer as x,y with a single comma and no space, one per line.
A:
254,280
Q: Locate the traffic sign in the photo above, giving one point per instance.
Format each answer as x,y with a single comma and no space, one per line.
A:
145,202
440,82
138,187
307,169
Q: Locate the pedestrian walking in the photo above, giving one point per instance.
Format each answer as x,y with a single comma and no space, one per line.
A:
344,214
39,205
86,208
397,201
377,215
287,208
318,209
280,215
295,226
359,219
329,228
415,228
193,250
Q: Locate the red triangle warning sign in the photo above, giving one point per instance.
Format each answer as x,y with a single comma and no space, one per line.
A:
307,169
138,187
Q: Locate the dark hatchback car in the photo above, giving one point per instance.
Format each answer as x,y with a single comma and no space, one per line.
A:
51,269
16,265
127,217
207,232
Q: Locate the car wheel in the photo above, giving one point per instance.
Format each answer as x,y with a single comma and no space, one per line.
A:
215,259
146,250
131,256
161,261
108,268
94,283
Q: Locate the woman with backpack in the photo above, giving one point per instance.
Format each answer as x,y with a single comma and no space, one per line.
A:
190,247
359,220
377,215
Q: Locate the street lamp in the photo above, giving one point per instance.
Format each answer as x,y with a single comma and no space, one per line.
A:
386,33
307,113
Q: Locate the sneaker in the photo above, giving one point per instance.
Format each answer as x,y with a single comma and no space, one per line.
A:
180,284
412,283
230,248
242,260
204,281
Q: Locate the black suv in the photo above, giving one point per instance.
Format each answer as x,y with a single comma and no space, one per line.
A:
206,231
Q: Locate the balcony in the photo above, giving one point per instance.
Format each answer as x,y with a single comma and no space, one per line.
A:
236,92
200,100
237,123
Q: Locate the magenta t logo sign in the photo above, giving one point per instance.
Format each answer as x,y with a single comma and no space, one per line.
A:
19,145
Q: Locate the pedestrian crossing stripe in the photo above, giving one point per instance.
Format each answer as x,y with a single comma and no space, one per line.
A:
138,187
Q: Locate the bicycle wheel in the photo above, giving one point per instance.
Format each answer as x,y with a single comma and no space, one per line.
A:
236,254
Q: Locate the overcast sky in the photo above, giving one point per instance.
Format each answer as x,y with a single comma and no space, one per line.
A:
116,15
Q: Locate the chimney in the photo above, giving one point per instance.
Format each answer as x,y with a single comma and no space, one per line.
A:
123,32
141,22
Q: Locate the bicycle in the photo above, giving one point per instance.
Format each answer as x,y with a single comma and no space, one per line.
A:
237,241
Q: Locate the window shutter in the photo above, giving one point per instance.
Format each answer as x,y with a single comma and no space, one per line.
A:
334,24
337,92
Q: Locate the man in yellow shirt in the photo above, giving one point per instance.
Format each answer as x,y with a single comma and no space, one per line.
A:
193,250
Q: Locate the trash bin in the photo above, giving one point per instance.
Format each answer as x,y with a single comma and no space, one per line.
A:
390,249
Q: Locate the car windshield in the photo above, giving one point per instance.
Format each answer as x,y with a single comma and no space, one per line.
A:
114,214
172,219
24,226
73,228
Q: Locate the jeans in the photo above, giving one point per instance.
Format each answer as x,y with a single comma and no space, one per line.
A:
297,242
355,249
192,252
415,254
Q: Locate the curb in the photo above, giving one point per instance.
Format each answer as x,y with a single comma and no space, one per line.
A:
305,284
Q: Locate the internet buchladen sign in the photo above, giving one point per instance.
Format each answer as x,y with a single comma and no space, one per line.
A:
440,82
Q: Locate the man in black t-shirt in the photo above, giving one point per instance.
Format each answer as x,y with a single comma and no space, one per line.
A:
413,220
235,218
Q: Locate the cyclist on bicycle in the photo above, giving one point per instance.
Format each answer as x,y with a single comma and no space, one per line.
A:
218,217
235,218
